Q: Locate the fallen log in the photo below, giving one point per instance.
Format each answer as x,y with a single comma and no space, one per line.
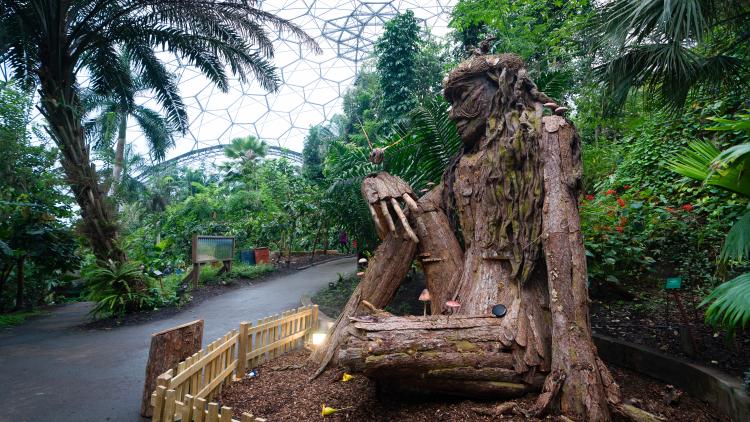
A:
456,355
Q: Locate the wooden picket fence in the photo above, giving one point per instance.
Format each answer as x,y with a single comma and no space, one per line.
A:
186,394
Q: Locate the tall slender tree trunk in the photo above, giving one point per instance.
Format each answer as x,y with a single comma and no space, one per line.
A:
315,242
61,106
20,281
119,151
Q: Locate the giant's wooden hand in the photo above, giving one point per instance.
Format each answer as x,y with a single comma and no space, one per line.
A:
383,192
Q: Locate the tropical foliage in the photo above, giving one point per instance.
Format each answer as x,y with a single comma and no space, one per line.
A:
658,90
729,303
53,42
37,245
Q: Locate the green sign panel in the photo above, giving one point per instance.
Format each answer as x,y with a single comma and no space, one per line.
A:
673,283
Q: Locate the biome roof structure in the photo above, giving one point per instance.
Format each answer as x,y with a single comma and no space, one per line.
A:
312,85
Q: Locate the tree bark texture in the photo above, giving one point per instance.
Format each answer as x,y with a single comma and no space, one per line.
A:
384,274
585,386
61,106
458,355
440,254
168,348
513,191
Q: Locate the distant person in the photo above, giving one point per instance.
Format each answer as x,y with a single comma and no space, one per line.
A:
344,241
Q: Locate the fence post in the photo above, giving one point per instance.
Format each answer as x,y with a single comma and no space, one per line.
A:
242,351
169,406
158,399
315,321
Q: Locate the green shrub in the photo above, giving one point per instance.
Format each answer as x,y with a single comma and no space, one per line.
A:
16,318
117,288
666,225
247,272
210,275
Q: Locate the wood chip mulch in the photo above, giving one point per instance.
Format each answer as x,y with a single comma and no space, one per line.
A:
282,392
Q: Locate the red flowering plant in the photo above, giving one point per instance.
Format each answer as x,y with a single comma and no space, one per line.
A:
620,228
631,233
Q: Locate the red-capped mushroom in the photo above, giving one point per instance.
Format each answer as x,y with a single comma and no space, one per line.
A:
424,297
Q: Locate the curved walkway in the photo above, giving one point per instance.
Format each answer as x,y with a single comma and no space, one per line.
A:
52,370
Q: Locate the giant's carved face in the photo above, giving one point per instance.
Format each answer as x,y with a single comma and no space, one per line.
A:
470,107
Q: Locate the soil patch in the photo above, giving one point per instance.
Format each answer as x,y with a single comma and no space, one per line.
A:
282,392
656,323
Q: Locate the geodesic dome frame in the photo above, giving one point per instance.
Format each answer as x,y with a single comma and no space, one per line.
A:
312,85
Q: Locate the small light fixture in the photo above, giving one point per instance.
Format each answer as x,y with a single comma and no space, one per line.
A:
318,338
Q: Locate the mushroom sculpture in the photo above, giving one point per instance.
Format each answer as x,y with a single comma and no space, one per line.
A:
424,297
453,306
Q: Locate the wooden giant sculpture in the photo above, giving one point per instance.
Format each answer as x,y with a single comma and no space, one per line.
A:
502,228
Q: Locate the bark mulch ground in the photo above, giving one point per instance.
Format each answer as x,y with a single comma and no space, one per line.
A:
282,392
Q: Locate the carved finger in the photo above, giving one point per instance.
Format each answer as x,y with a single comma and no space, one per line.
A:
375,218
387,215
410,202
404,222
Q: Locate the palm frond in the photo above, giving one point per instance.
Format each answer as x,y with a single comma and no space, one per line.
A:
729,304
701,160
665,46
737,244
156,129
742,122
154,74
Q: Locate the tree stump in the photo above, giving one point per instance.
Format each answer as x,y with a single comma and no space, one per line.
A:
168,348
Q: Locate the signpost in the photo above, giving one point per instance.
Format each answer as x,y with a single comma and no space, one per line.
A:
210,249
687,339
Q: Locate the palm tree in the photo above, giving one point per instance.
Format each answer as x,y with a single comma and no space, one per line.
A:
246,153
112,121
729,303
53,42
670,47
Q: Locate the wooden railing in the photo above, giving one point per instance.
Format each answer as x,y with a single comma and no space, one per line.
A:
185,394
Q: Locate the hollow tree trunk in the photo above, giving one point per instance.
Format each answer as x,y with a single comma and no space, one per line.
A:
458,355
579,385
61,106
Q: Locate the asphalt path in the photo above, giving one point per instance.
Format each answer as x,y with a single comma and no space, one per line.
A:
52,369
